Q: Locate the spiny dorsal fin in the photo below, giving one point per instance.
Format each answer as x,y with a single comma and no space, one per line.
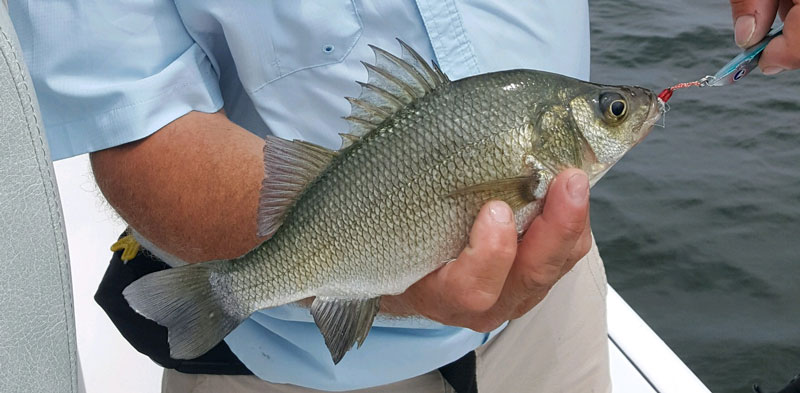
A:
440,73
348,140
289,166
393,83
434,76
404,71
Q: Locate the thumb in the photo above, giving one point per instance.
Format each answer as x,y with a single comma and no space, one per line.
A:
553,234
752,20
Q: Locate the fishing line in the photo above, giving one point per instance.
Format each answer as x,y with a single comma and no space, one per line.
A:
666,94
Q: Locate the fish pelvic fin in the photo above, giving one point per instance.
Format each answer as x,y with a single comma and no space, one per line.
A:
392,84
289,167
190,302
343,322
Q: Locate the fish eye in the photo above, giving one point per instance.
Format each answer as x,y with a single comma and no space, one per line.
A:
618,108
614,106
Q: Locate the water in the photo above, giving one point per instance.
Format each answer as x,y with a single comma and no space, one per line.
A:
698,225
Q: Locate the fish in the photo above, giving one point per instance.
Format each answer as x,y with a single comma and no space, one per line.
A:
398,199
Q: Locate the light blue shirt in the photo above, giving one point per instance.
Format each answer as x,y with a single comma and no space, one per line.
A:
111,72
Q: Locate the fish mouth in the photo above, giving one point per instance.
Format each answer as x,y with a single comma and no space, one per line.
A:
657,108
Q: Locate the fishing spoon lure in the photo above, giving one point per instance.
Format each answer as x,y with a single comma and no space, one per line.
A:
732,72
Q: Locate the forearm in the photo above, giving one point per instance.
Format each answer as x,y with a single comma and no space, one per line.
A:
191,188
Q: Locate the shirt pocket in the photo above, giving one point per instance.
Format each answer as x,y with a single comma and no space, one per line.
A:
299,35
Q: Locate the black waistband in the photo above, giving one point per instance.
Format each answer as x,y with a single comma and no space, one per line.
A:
147,336
150,338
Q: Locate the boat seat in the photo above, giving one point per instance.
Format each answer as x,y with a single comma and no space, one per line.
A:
37,325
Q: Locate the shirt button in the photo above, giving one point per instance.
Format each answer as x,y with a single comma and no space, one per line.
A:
328,49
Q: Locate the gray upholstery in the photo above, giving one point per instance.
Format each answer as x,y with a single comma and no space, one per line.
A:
37,327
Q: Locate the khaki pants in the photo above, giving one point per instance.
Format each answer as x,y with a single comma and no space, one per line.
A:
559,346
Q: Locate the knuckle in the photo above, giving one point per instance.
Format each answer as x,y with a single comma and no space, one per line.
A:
741,5
505,254
542,278
476,300
500,248
583,248
573,229
795,60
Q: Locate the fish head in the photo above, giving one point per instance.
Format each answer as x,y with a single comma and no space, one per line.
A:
611,120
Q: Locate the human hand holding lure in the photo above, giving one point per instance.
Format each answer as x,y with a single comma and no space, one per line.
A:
732,72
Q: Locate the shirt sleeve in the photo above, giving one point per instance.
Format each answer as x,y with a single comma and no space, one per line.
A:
111,72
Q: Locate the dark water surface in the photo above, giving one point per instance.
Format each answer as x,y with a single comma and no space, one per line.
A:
699,224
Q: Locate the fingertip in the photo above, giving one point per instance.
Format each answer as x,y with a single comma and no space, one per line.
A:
498,212
752,20
778,56
494,233
572,186
578,188
783,52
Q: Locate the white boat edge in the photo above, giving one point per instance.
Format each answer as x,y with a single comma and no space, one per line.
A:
640,361
636,349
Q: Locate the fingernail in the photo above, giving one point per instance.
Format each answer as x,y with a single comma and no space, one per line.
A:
773,70
743,30
499,213
578,186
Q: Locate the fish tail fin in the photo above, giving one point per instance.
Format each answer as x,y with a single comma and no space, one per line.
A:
192,303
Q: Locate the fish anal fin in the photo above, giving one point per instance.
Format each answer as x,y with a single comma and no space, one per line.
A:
289,167
517,191
344,322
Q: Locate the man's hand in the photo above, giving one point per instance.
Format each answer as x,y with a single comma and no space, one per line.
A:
495,279
752,22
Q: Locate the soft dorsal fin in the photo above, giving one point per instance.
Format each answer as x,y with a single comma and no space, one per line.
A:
393,83
289,166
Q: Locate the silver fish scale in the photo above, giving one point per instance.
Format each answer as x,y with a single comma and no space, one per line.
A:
381,217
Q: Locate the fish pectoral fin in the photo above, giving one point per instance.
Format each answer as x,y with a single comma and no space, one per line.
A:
518,191
289,167
343,322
